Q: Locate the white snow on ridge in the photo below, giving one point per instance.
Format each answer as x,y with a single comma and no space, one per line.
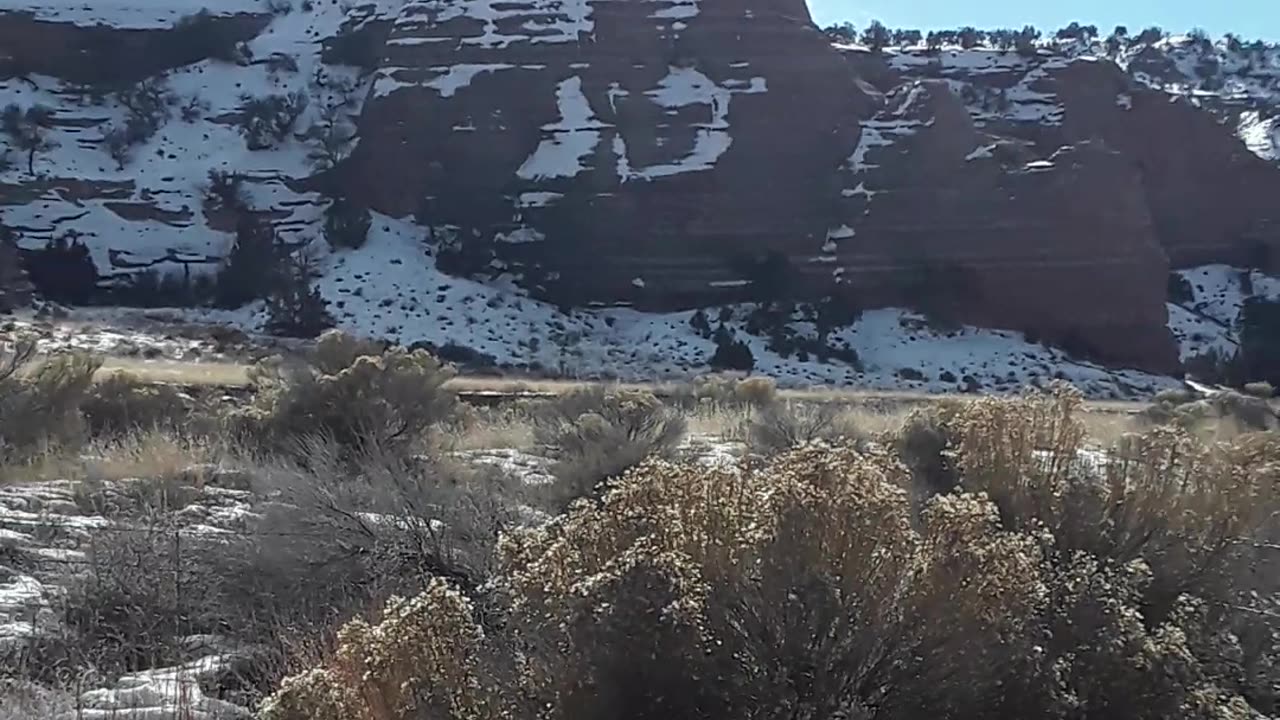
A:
577,133
460,76
683,87
958,61
1262,137
878,133
677,9
559,21
130,14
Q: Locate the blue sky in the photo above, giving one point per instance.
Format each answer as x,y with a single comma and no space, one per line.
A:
1248,18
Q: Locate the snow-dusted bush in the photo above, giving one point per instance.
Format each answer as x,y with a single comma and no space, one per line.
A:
697,592
121,403
267,121
756,391
385,400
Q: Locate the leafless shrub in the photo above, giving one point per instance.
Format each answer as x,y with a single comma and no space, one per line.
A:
800,590
40,409
596,433
225,191
783,426
756,391
1101,585
267,121
1221,415
924,445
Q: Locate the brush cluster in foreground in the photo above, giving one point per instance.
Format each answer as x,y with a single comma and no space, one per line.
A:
981,559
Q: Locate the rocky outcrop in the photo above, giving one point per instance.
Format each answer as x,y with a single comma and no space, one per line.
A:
938,214
103,55
619,146
1212,200
665,154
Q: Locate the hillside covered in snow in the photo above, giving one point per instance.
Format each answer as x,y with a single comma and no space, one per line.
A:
628,190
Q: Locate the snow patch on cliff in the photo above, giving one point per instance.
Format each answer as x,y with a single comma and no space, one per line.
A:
573,137
1260,135
686,87
544,21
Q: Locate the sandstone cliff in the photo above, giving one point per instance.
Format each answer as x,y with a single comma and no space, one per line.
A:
657,154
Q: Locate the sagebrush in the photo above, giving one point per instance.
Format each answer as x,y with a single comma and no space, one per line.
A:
1052,581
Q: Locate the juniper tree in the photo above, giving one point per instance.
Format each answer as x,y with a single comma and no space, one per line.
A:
28,130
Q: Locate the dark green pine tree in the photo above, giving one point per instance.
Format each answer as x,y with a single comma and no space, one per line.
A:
254,265
295,308
15,287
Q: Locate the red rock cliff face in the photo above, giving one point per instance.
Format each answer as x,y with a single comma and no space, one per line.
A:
1212,200
109,56
642,151
938,214
621,145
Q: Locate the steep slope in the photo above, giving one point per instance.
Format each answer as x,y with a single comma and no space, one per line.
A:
608,151
660,155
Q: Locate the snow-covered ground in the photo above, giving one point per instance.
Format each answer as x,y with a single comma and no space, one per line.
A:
45,537
165,177
391,289
1209,321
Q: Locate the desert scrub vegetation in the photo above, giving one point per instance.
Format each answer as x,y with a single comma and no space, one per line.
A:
778,426
355,393
1049,579
596,433
40,402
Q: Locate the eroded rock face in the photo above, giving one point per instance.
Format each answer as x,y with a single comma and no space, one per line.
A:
941,215
667,154
610,150
102,54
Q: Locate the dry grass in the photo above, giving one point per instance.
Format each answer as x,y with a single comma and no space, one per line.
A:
235,375
489,428
1105,428
177,372
152,454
